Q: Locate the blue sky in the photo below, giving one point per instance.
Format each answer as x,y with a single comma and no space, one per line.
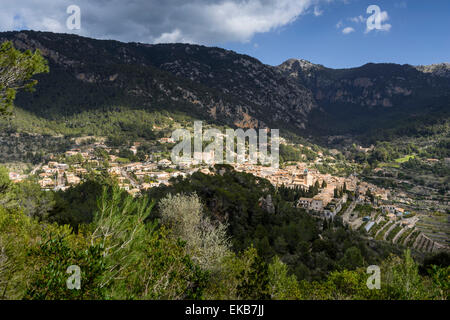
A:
420,34
411,31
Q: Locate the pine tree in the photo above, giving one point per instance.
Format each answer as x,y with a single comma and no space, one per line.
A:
16,70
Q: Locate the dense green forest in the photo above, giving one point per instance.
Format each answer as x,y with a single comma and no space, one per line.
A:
224,236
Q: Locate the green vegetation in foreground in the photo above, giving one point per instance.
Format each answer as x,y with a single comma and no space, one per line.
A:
16,71
127,247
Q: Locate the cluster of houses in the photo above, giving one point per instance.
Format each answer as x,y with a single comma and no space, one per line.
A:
393,211
16,177
321,204
138,176
300,176
60,176
133,177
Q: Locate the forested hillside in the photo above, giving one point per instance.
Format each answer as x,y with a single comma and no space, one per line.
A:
228,88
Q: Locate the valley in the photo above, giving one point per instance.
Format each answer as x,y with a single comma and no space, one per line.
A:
363,176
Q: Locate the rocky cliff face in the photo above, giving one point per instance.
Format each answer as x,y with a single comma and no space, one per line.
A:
440,70
225,87
372,85
240,76
373,96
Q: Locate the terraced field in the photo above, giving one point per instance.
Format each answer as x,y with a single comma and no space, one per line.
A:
429,234
393,232
402,235
377,227
436,228
380,234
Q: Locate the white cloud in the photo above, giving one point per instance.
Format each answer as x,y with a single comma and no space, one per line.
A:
152,21
29,15
171,37
317,11
49,24
357,19
339,24
348,30
241,20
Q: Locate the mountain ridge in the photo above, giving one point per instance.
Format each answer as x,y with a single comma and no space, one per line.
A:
223,86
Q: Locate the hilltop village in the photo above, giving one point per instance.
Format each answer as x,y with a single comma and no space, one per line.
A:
382,214
134,177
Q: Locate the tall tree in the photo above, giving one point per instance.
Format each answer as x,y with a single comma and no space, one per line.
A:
16,71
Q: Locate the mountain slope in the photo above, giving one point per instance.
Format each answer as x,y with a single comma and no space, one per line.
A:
373,96
228,88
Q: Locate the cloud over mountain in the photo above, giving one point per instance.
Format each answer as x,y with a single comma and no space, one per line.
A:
156,21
